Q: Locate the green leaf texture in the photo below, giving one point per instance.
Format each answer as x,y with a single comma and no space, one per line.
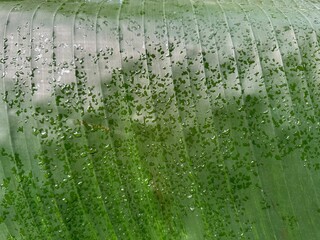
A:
150,119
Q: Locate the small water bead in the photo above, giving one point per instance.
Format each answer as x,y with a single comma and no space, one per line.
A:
83,154
44,134
92,150
77,134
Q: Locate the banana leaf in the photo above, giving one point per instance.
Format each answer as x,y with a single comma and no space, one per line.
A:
149,119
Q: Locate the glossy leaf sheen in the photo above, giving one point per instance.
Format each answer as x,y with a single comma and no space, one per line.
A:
182,119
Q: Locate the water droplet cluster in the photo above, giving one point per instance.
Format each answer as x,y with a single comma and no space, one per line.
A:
159,120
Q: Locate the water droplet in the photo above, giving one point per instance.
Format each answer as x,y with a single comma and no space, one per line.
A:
44,134
77,134
83,154
92,150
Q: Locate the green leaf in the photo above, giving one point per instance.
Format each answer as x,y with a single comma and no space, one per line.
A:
182,119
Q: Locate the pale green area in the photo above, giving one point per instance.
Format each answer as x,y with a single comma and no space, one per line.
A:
191,120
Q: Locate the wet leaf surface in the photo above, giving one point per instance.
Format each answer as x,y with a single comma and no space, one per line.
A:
159,120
